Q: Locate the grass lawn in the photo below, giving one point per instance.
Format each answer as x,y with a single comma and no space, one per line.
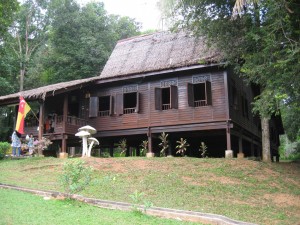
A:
257,192
23,208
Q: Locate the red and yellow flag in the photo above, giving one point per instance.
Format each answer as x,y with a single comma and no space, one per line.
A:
24,108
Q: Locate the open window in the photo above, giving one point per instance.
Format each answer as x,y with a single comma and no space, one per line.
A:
166,98
105,106
101,106
199,94
127,103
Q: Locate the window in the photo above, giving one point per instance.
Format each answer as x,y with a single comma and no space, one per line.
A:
105,106
130,102
166,98
101,106
199,94
127,103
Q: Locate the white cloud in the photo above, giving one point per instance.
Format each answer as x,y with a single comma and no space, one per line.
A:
144,11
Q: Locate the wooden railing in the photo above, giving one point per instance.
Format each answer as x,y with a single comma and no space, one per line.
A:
200,103
129,110
103,113
72,120
166,106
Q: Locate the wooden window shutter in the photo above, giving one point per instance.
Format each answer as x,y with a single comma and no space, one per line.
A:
111,105
190,94
119,104
174,97
94,107
137,107
208,92
158,100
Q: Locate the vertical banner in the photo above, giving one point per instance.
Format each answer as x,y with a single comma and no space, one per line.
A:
24,108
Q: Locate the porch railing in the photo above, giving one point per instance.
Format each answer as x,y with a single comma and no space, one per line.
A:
129,110
103,113
72,120
200,103
166,106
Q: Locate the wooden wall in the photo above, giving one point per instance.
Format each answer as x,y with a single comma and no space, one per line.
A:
148,116
250,123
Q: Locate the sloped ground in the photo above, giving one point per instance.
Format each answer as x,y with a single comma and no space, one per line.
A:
257,192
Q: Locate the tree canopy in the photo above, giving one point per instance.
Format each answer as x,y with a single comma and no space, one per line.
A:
259,38
50,41
55,41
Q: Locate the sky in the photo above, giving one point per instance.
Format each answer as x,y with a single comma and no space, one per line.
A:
144,11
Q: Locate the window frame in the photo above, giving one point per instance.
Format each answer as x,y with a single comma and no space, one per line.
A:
173,103
119,103
108,112
191,94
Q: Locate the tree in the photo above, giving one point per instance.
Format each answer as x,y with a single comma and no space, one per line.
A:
7,10
28,33
261,43
81,40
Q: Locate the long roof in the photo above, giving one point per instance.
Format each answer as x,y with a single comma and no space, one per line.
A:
137,55
51,89
158,51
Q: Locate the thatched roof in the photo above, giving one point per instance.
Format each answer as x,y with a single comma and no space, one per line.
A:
156,52
134,56
42,92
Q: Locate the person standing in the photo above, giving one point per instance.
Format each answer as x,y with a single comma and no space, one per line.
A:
16,143
30,144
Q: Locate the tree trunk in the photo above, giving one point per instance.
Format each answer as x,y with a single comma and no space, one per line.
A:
22,74
266,153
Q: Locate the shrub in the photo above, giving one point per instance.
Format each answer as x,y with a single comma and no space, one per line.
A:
138,199
182,145
123,146
39,146
76,176
144,148
164,144
4,148
203,150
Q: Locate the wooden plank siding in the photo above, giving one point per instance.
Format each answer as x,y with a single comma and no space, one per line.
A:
236,111
148,116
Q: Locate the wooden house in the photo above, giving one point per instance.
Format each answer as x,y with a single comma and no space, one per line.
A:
161,82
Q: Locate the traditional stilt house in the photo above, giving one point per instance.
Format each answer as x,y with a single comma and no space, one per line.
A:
161,82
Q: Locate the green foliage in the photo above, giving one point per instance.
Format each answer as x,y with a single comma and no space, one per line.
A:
203,149
6,122
262,44
164,144
138,199
289,150
144,147
182,145
7,10
123,146
75,176
4,148
82,39
5,87
291,122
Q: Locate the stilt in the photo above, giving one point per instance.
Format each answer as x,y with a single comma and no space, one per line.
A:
150,152
228,152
